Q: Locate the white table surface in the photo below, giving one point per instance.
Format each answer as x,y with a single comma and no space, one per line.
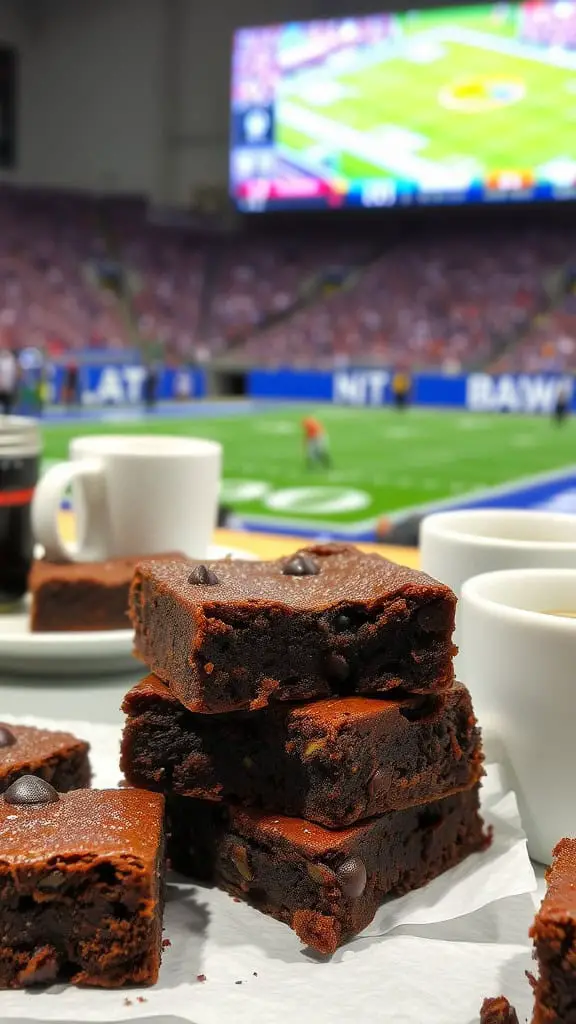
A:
95,700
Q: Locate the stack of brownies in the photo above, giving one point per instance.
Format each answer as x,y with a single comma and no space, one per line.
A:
304,724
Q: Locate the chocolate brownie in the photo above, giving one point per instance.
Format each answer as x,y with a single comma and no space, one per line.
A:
326,885
554,934
498,1011
81,885
57,757
333,761
327,620
74,596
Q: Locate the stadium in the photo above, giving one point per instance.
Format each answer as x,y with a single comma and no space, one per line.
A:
449,259
277,282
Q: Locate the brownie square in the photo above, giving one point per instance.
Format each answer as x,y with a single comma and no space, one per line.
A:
81,596
57,757
81,885
326,885
554,934
332,761
327,620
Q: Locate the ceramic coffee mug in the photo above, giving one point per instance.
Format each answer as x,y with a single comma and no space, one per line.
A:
132,495
518,654
457,545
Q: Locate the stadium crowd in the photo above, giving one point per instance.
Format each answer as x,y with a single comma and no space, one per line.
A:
79,273
448,302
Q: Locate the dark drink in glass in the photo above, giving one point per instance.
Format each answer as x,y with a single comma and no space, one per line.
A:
20,447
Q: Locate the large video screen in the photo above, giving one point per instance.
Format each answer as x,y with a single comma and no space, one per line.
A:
455,105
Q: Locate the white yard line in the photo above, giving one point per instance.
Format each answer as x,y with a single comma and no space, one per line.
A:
557,57
334,133
501,490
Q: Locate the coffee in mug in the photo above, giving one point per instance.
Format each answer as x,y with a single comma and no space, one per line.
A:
20,448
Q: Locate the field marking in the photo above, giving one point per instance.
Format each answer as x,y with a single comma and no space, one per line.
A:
556,57
280,427
523,441
474,422
321,500
478,494
399,433
328,131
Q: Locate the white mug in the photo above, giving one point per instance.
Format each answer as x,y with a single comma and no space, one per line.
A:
520,666
132,495
457,545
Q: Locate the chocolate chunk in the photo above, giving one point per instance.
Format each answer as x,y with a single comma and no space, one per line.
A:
301,565
42,967
352,877
379,783
53,880
201,574
7,738
29,789
342,623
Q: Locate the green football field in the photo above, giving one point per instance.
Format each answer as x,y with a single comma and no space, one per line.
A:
383,462
460,92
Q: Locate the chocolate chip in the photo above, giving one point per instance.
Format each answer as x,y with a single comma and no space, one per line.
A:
352,877
342,623
379,783
29,789
201,574
53,880
7,738
301,565
337,668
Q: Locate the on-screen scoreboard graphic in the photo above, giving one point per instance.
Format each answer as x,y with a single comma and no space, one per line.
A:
455,105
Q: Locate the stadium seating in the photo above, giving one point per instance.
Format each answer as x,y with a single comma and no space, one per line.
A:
79,273
452,302
47,295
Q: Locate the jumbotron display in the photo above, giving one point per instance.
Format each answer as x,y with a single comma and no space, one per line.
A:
454,105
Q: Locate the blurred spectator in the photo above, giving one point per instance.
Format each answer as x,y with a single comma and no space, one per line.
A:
78,273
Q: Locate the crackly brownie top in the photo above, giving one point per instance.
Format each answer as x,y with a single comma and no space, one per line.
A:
111,573
560,899
24,744
312,579
323,715
38,824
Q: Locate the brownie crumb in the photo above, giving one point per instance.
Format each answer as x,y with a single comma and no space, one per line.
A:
254,974
237,982
200,977
127,1002
498,1011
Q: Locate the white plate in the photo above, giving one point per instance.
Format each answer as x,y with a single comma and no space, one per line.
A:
105,652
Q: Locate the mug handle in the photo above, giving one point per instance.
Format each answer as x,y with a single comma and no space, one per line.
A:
46,503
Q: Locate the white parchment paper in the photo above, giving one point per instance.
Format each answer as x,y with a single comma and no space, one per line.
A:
427,958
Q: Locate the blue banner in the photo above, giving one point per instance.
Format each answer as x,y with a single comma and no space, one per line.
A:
114,384
477,392
123,385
